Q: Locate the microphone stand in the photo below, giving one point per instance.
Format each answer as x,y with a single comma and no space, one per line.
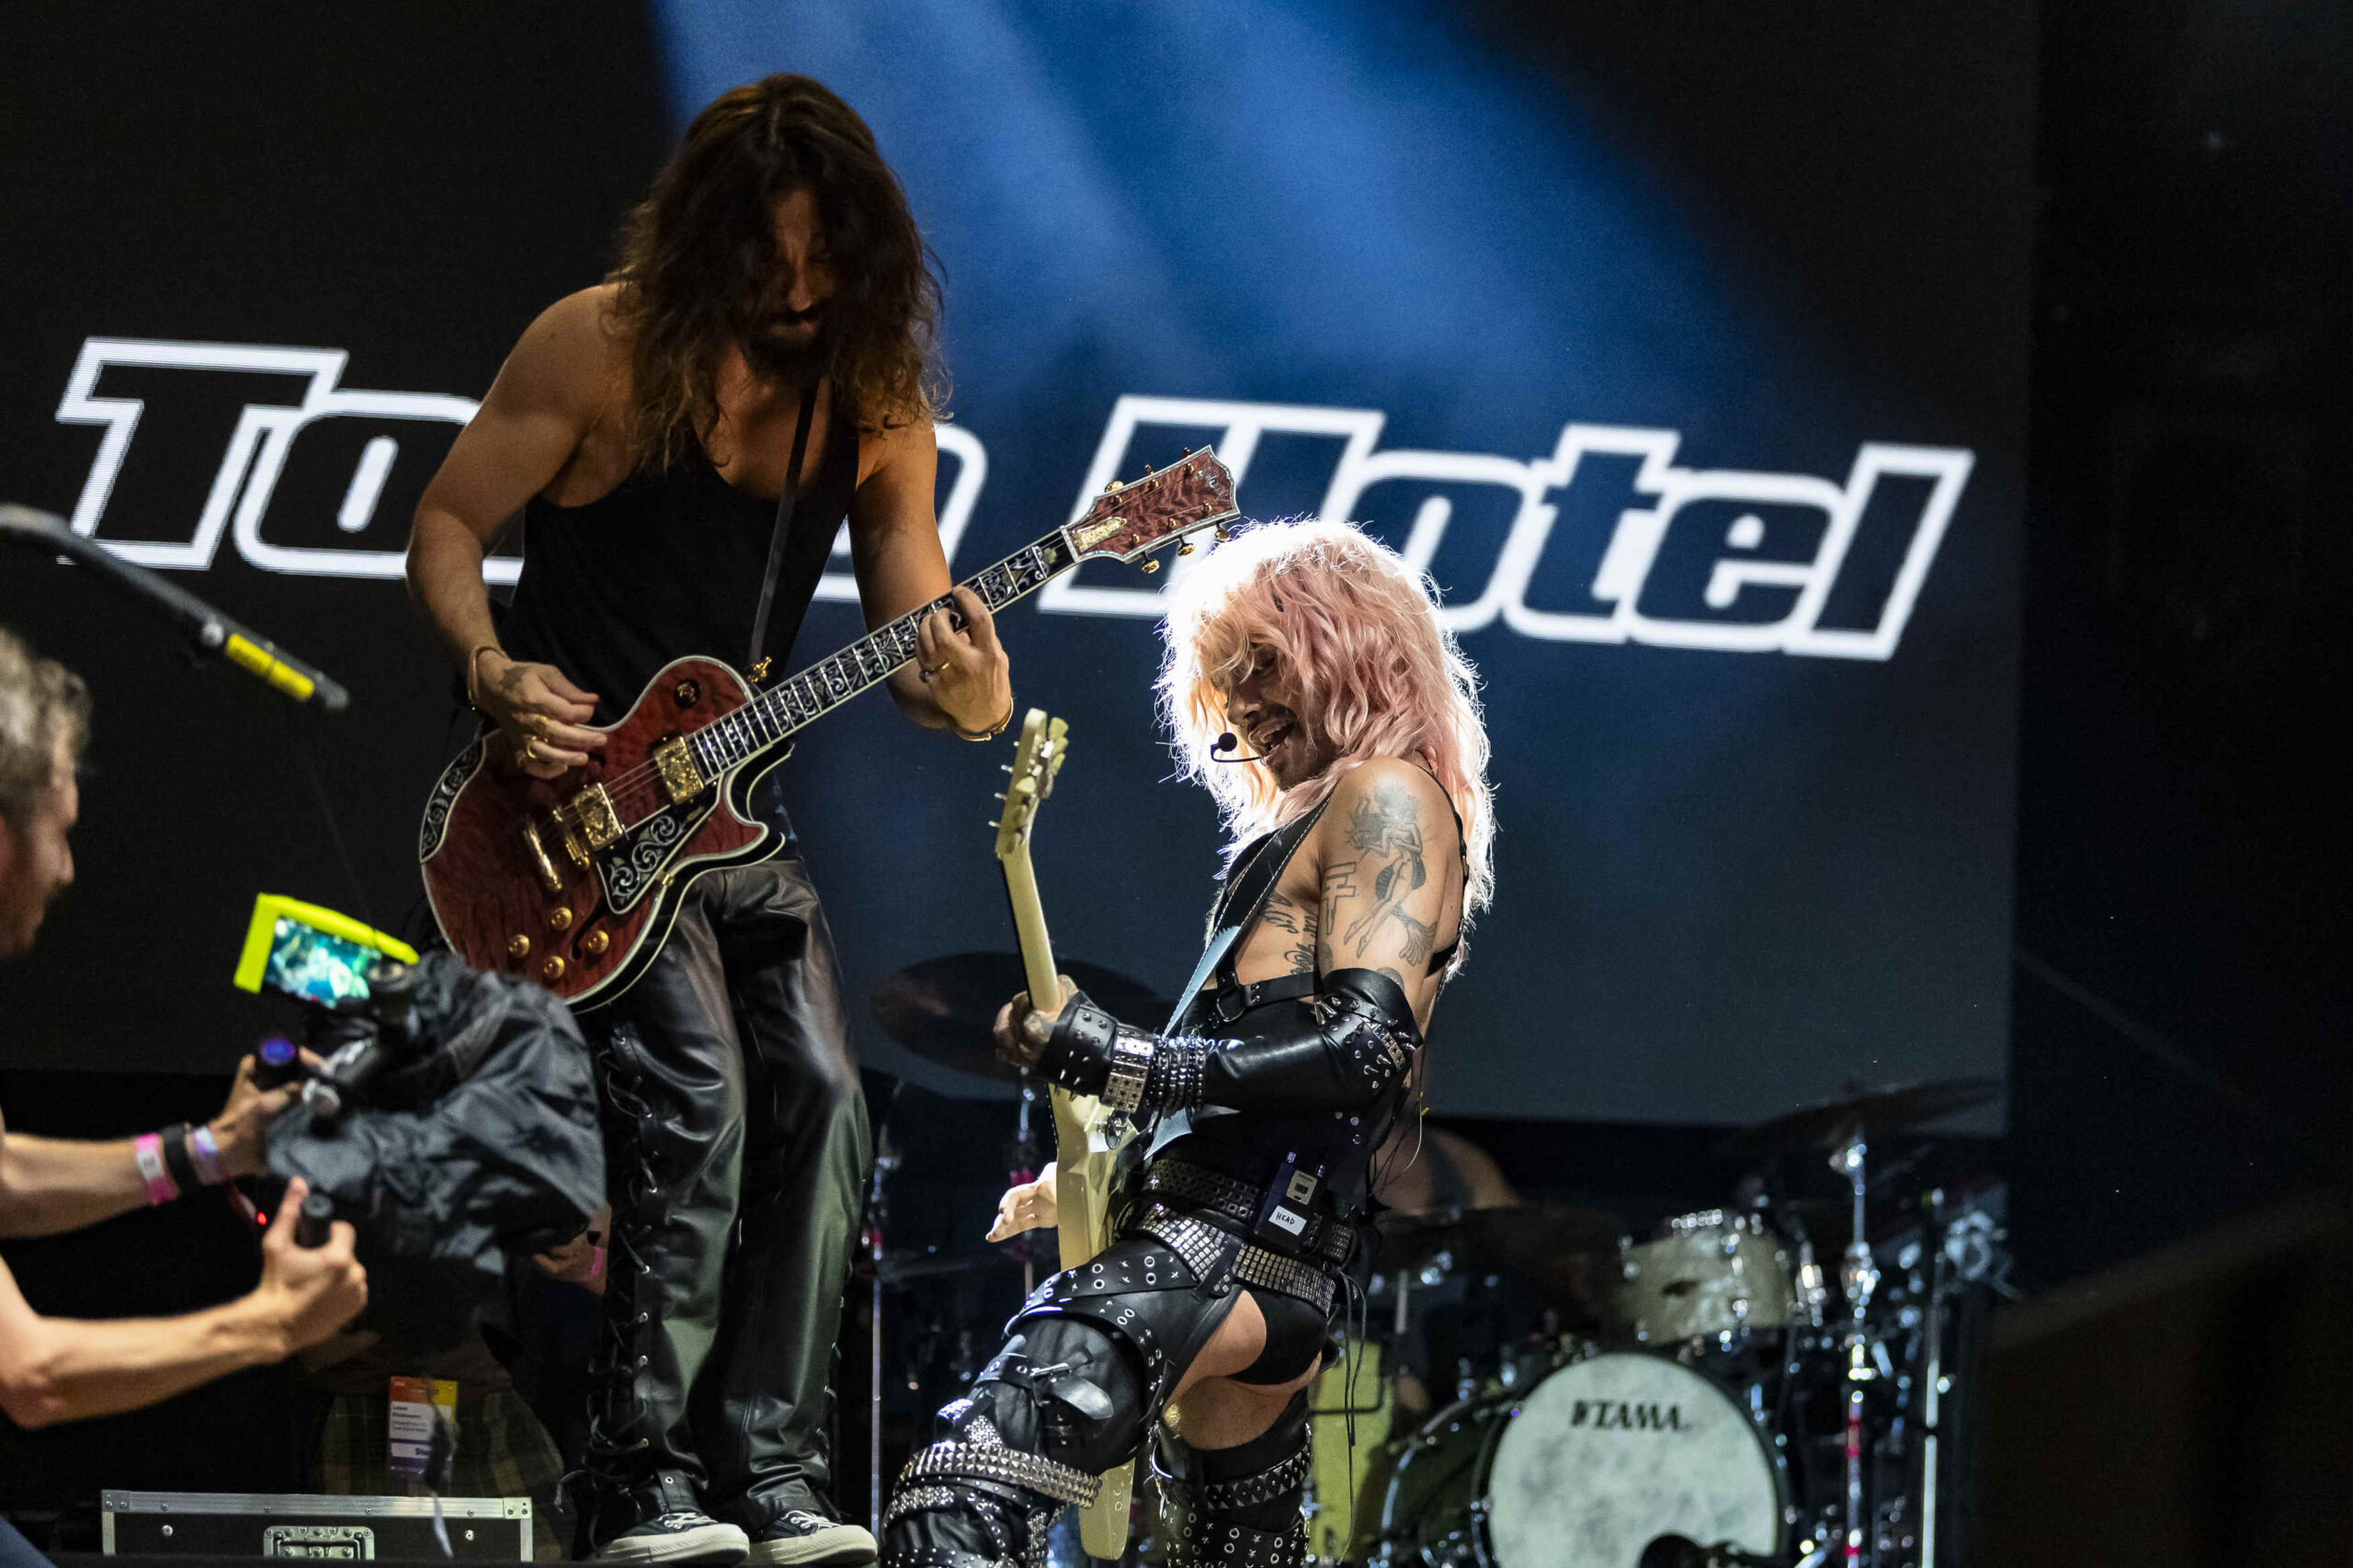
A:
210,635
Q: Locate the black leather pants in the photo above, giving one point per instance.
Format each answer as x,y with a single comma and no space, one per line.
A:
737,1142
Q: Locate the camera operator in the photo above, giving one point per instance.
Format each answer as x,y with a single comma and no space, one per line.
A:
56,1369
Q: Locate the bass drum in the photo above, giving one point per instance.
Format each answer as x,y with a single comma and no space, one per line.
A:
1582,1471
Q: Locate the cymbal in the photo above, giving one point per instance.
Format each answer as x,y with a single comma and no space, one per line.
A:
1834,1123
1564,1255
942,1007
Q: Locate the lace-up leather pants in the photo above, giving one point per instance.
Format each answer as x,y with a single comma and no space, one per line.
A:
737,1144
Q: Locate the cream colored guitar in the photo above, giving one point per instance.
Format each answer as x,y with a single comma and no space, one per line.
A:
1087,1133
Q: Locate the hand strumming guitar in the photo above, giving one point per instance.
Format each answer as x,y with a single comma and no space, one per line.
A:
542,713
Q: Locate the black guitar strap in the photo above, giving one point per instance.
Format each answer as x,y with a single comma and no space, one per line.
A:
786,501
1248,885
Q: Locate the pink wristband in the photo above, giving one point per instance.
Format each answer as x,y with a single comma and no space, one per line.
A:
147,1150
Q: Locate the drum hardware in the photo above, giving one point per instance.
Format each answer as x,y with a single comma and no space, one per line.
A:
886,1160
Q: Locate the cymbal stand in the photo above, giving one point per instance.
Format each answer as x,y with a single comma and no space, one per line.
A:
1932,1382
1861,1278
886,1160
1025,1160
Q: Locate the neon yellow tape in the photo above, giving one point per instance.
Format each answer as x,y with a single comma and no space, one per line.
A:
255,658
262,929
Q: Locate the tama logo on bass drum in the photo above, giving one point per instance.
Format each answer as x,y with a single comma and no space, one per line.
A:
1620,1415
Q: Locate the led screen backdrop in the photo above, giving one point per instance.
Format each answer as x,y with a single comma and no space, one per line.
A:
1684,345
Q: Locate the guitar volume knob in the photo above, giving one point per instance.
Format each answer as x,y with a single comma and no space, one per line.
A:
518,946
560,918
553,969
594,943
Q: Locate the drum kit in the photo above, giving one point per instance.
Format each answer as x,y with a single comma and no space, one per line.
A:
1774,1381
1713,1396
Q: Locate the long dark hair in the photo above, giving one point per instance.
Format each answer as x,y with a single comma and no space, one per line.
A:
697,253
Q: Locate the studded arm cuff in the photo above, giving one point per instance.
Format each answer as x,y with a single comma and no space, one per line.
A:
1138,1072
1174,1082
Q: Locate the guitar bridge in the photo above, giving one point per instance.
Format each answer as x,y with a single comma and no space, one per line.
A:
674,762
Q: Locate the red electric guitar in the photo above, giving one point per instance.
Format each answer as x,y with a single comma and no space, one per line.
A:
575,881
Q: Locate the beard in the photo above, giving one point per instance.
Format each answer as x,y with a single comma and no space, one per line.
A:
793,363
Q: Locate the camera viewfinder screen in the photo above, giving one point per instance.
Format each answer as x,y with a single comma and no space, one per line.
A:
307,963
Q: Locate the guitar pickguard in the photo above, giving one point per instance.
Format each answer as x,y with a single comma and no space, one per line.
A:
636,864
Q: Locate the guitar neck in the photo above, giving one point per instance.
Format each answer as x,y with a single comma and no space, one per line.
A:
772,717
1029,925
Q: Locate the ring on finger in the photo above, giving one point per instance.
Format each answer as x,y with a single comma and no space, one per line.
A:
531,749
925,672
540,725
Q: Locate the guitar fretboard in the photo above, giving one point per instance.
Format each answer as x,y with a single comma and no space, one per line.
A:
786,706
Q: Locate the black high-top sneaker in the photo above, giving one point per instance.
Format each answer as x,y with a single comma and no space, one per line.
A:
799,1538
660,1521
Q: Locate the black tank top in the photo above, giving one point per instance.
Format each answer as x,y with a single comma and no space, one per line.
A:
669,564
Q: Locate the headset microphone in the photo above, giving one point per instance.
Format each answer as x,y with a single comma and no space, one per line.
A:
1226,741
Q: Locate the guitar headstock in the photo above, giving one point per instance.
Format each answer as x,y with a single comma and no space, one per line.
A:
1129,521
1035,762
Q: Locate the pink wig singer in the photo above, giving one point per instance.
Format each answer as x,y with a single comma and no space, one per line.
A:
1357,632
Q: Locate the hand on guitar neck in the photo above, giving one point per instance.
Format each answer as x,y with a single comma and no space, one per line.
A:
1021,1031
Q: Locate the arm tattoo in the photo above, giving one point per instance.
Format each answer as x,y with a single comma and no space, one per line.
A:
1287,915
1386,823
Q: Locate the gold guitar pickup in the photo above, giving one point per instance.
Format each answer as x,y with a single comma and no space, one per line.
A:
589,823
674,761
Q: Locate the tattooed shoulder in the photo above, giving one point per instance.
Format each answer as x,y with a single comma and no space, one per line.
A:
1384,819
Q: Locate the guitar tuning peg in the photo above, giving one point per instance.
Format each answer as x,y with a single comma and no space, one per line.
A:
1004,768
998,796
1150,567
1186,547
1222,535
1147,471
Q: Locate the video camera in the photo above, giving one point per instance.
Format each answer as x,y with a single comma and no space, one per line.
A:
450,1115
356,985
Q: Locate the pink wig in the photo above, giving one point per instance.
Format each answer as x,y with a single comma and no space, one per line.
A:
1357,632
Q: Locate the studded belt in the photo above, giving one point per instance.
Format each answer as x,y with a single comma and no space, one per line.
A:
1204,1248
1326,1238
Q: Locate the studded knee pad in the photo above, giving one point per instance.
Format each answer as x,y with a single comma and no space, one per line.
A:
1060,1404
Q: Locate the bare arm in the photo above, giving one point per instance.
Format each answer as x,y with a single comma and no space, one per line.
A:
49,1185
895,551
1391,877
546,399
56,1369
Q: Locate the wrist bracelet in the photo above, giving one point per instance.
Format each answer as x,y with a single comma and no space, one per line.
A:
988,735
147,1150
173,1141
473,656
212,1165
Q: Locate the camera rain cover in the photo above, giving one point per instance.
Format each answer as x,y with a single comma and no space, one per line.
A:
482,1145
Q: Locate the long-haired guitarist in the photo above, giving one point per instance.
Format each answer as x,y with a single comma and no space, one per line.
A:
773,306
1310,686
